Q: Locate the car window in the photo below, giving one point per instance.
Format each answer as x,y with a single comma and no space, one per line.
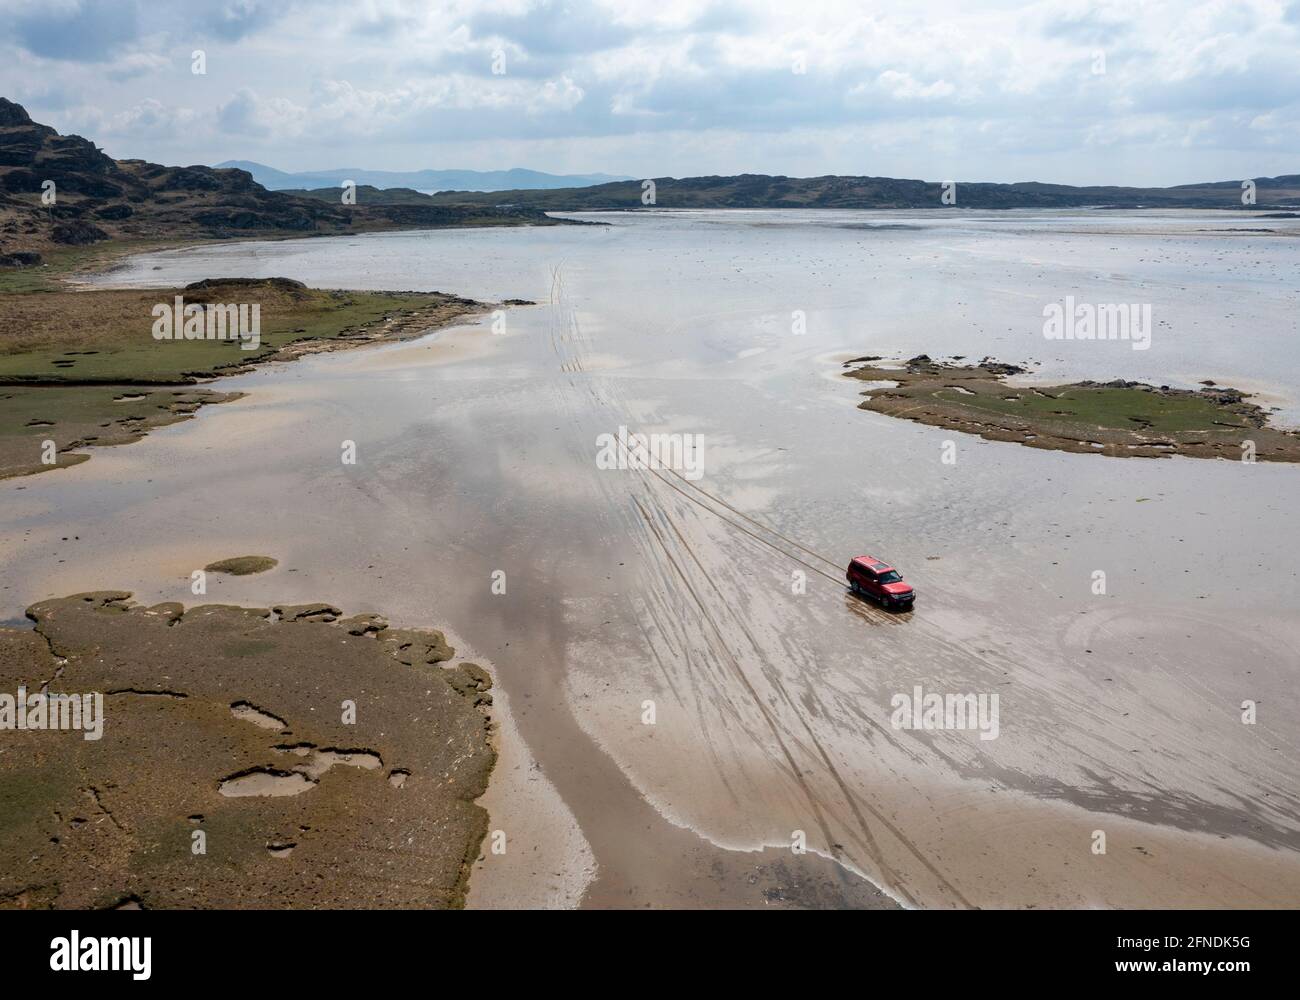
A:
892,576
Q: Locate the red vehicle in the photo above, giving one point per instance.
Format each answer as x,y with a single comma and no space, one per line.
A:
869,577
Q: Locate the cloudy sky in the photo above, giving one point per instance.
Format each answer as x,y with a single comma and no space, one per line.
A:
1126,92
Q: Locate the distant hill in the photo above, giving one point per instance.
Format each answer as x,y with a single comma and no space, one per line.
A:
419,180
764,191
365,195
98,198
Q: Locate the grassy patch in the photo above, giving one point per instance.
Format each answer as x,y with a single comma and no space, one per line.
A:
1120,409
63,262
72,417
84,368
1116,419
106,335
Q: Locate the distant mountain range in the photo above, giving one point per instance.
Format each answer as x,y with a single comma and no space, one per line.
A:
764,191
419,180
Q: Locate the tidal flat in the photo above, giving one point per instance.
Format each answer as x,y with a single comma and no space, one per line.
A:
476,456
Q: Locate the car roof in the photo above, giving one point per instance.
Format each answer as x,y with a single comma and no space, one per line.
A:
872,563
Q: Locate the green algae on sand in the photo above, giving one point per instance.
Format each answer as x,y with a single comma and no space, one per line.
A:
313,766
82,368
242,565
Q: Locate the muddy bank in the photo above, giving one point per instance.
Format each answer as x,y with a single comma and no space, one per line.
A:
246,757
83,368
45,428
1118,418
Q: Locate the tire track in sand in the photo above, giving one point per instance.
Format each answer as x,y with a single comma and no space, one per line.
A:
854,801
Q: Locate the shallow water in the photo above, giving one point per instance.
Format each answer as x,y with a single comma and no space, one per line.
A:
721,286
772,696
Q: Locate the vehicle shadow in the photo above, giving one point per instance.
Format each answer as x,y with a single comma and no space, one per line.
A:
868,610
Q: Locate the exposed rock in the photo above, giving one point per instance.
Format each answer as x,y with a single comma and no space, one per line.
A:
12,114
307,612
77,233
137,199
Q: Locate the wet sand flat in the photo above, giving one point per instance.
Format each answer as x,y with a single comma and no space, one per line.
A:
1121,711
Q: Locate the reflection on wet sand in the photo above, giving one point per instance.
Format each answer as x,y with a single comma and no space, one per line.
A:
1120,712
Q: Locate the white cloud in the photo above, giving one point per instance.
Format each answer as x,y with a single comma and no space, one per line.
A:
591,85
247,114
901,86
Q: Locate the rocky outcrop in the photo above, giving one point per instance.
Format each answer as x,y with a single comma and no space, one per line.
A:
77,233
12,114
99,198
20,258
